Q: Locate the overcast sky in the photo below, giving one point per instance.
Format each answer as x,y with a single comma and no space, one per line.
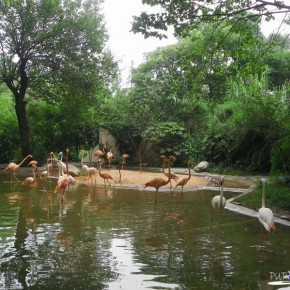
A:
129,47
126,45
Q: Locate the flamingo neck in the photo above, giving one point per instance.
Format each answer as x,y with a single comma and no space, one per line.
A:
23,160
33,172
263,195
82,161
169,173
100,167
60,170
67,163
221,194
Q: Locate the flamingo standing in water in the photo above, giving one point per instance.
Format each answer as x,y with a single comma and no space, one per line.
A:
124,157
12,167
182,181
104,175
45,174
64,179
158,181
100,153
91,171
218,202
172,174
32,162
265,215
31,181
110,156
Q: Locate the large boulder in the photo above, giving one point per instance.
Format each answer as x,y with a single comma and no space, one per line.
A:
201,166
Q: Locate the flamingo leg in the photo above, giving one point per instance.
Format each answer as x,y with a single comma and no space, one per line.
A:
220,217
156,195
15,176
211,216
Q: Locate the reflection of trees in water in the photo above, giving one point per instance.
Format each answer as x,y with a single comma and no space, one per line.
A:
215,262
55,244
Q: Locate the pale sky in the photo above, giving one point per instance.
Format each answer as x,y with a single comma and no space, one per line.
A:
125,45
128,47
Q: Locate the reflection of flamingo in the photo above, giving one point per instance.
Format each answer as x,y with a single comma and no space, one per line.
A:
104,175
219,201
31,181
172,174
265,215
182,181
12,167
158,181
110,156
124,157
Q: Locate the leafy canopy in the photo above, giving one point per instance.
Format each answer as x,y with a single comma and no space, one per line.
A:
186,15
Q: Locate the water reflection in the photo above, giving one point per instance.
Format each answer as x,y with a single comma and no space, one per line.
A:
129,270
108,238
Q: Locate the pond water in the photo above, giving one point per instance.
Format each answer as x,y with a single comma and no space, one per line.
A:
120,239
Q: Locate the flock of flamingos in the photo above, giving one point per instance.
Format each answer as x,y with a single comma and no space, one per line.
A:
218,202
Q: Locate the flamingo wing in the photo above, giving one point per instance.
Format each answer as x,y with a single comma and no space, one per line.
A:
266,218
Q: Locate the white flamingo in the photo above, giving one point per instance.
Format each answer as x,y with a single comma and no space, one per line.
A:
218,202
265,215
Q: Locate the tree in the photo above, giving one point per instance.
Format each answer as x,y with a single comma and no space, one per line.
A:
251,121
52,50
186,15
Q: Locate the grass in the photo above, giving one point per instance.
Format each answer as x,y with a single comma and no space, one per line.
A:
276,195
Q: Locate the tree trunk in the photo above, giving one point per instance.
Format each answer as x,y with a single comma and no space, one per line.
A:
20,109
19,91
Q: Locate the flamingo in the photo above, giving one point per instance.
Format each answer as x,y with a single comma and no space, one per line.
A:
219,201
31,181
172,174
32,162
100,153
45,174
64,179
182,181
110,156
124,157
91,171
265,215
60,154
12,167
158,181
104,175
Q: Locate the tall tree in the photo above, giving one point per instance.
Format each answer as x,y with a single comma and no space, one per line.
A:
187,14
51,49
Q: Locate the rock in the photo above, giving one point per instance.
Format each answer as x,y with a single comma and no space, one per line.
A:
285,217
201,166
73,170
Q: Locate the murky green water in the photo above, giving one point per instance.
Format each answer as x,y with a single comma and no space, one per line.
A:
119,239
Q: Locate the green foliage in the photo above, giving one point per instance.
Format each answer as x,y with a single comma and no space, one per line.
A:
187,15
54,51
245,127
9,140
277,196
170,138
280,159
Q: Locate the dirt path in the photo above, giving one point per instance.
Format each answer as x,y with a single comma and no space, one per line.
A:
133,177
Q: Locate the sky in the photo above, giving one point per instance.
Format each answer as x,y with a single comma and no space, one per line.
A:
126,46
129,48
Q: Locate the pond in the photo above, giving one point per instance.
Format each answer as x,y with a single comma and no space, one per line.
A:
109,238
